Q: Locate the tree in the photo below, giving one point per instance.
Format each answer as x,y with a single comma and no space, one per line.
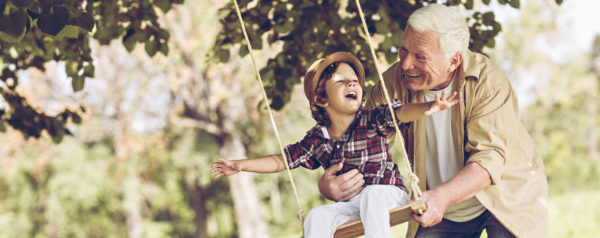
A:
311,29
33,32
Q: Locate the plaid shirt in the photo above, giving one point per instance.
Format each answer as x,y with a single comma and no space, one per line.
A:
364,145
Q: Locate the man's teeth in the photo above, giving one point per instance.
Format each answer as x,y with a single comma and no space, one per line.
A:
413,75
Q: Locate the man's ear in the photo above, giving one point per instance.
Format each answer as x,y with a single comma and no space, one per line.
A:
455,61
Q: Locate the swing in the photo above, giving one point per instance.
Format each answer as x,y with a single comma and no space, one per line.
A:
354,228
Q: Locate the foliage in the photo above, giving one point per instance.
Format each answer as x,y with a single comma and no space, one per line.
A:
311,29
82,191
563,116
33,32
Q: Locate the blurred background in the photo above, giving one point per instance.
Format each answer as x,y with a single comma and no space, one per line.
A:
138,163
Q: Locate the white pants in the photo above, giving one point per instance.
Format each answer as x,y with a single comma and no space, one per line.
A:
371,205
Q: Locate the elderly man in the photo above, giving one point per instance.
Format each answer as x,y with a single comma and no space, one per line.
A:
476,163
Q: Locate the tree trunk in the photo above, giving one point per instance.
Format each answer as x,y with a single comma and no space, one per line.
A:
246,202
132,203
198,200
593,132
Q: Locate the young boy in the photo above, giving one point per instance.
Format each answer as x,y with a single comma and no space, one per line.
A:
345,133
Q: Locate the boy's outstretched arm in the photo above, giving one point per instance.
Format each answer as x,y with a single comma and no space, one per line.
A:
415,111
264,164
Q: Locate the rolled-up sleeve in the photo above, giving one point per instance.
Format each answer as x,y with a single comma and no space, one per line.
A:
381,118
492,120
303,153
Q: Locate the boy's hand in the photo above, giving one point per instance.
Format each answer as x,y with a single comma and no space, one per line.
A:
441,104
224,167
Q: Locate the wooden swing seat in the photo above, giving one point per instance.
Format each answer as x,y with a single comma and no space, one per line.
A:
397,216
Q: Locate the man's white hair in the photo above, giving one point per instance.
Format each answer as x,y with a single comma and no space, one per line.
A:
446,21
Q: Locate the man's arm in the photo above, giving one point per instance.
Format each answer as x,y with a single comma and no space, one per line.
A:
342,187
464,185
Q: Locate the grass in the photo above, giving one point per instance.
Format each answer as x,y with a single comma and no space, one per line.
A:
574,214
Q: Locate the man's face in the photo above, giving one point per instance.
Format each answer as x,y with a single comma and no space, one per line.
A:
424,66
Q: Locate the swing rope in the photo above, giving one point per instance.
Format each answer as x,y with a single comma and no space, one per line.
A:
414,180
264,93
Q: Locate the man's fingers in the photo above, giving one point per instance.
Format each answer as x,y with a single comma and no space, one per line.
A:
333,169
356,181
350,194
349,175
353,184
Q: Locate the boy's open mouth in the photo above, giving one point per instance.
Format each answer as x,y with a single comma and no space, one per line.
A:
352,95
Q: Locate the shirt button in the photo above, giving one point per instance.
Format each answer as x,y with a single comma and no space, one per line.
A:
337,146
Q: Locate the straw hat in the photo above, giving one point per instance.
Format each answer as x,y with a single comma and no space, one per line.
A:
311,78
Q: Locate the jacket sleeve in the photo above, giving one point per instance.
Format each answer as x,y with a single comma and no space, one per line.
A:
491,124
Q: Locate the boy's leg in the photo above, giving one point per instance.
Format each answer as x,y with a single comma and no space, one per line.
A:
376,201
323,220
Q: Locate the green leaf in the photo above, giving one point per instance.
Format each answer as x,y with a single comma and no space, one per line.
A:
488,18
88,71
71,67
277,102
13,25
486,2
491,43
129,40
164,5
58,136
151,47
2,6
515,3
76,118
68,31
469,4
77,82
243,50
53,23
22,3
164,48
86,21
223,56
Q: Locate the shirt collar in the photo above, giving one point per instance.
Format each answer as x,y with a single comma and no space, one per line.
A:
470,68
321,131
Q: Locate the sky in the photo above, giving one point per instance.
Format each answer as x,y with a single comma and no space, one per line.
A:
577,21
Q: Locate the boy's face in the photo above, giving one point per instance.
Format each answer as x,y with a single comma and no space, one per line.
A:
344,94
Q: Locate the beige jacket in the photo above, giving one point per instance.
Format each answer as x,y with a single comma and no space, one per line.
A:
486,127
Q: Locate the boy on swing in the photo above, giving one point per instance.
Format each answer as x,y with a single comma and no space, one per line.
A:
347,133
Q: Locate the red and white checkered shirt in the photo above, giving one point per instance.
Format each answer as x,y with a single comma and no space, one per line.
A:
364,145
